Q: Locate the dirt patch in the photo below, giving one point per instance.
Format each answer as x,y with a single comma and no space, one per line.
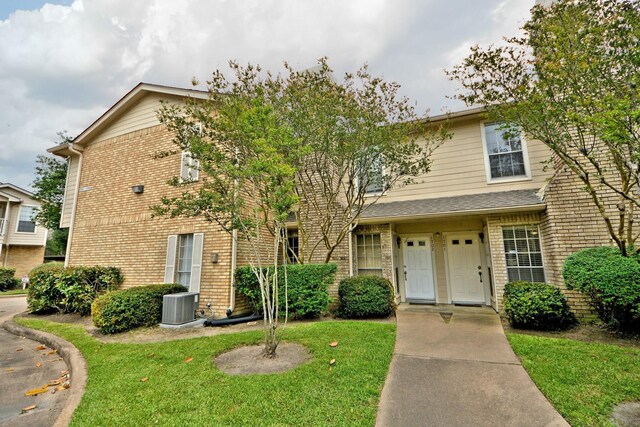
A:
586,332
74,318
627,414
250,360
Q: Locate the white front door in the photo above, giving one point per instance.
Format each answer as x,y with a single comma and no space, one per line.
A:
465,268
418,268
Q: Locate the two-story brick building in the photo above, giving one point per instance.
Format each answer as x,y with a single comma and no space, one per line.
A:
486,214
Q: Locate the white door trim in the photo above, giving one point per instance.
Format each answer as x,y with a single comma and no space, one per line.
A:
425,236
445,239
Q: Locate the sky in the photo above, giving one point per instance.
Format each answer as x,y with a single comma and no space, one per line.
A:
65,62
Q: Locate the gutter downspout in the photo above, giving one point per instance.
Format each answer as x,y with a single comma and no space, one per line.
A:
234,255
351,249
73,207
4,229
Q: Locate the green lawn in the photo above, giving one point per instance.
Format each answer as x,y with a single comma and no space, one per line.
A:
584,381
19,291
196,393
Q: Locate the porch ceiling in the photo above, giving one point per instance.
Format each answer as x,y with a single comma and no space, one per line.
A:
504,201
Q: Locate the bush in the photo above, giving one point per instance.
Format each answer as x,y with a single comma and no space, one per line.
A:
364,297
8,279
54,288
308,288
120,311
536,306
610,281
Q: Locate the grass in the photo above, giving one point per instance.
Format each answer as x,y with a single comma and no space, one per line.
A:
197,393
583,381
10,292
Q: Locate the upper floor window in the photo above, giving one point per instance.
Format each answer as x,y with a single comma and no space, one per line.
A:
26,220
505,152
190,167
371,176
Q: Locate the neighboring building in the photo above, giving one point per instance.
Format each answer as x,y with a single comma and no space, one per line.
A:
22,241
486,214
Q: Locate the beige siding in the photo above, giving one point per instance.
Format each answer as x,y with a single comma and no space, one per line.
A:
15,238
459,168
69,192
141,115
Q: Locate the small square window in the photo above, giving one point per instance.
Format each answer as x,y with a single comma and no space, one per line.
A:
409,243
468,242
422,243
455,242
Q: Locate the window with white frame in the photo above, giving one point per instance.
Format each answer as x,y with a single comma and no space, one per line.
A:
505,152
375,176
190,167
523,253
184,260
185,255
369,254
26,220
292,249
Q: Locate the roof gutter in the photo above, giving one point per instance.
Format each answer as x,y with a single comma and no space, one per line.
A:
487,211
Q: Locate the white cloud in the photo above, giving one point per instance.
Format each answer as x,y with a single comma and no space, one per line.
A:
63,66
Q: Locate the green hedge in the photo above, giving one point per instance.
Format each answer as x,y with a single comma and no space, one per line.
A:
7,279
610,281
54,288
120,311
536,306
308,288
365,297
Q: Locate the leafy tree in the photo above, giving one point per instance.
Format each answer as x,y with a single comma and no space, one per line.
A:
359,135
51,175
572,81
245,152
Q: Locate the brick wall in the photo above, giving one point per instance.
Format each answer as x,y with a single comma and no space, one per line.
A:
115,227
22,258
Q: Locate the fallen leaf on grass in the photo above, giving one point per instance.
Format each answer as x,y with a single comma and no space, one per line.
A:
38,365
144,380
334,344
332,362
41,347
29,408
188,359
37,391
151,355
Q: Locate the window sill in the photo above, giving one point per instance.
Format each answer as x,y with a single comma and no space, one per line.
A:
508,180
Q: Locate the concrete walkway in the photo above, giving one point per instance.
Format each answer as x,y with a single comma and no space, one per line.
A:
453,366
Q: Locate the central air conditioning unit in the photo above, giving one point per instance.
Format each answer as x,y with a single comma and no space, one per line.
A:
179,308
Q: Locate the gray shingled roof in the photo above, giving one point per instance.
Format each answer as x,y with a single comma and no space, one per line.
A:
442,205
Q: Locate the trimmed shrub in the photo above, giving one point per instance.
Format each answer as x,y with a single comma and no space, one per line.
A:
610,281
53,288
536,306
308,288
8,279
364,297
120,311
